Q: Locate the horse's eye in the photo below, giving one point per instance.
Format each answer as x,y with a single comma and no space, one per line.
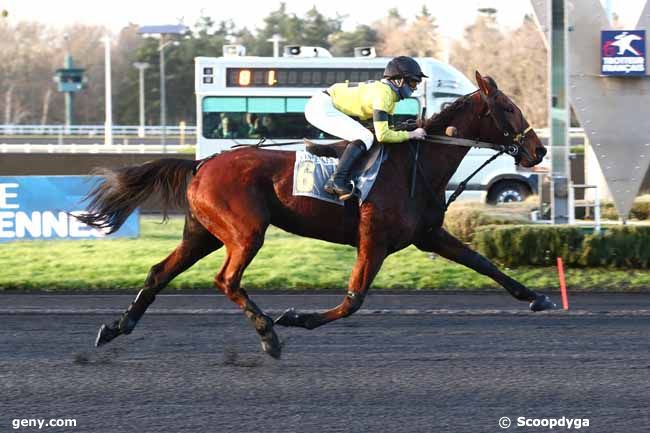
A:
510,109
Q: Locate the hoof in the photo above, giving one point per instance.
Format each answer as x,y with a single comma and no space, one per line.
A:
288,318
105,335
292,318
270,341
541,303
271,345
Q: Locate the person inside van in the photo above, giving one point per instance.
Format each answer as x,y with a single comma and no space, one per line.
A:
270,127
228,128
252,128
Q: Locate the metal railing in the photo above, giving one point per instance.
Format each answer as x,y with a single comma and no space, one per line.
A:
573,131
94,148
93,130
584,203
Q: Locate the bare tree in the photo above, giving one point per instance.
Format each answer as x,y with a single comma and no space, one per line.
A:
516,60
46,106
421,38
391,33
25,69
8,107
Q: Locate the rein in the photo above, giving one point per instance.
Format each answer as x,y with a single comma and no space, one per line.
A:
510,149
263,139
461,186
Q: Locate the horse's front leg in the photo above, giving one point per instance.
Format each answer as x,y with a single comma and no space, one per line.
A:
370,257
441,242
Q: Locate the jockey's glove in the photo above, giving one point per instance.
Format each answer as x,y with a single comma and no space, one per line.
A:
417,134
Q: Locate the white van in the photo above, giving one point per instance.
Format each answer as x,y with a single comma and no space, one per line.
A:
499,182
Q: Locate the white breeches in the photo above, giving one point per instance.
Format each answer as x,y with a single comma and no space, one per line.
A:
321,113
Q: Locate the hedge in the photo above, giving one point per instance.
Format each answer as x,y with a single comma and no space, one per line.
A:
622,246
463,219
640,210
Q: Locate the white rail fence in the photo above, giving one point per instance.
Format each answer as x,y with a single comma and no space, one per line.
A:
93,130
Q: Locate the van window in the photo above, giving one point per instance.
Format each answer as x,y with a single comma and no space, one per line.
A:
272,117
257,117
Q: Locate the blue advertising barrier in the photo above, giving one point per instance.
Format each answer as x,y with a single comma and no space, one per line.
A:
42,207
623,52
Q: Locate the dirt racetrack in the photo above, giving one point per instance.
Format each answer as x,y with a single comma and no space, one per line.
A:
415,363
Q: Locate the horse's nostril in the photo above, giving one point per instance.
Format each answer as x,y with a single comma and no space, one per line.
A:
540,152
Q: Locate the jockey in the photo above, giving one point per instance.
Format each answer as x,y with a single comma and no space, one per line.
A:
332,110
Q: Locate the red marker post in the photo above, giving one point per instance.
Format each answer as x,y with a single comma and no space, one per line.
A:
560,272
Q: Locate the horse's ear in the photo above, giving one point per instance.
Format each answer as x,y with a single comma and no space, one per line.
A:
487,85
482,84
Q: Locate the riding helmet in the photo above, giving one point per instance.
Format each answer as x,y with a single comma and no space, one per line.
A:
404,67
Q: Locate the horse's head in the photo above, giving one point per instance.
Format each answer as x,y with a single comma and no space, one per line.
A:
502,122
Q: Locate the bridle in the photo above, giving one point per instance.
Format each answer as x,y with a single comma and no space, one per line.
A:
516,138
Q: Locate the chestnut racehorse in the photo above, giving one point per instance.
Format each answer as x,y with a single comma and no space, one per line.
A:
233,197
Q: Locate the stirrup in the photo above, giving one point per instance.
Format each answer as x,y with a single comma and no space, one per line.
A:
353,192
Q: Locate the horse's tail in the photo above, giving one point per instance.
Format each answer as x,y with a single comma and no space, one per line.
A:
115,197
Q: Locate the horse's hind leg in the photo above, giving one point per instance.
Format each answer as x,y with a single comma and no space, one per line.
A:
197,243
239,217
441,242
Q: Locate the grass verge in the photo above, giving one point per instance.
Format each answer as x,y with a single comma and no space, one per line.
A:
286,262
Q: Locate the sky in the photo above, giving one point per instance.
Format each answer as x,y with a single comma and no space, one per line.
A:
115,14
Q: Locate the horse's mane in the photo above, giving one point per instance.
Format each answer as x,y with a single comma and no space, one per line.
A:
440,121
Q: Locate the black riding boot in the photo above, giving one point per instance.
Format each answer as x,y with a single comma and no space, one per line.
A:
339,183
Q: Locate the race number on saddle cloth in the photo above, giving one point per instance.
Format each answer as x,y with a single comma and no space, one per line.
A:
333,110
310,172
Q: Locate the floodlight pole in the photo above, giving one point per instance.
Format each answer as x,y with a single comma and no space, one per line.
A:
276,39
69,96
163,95
559,111
141,66
162,31
108,124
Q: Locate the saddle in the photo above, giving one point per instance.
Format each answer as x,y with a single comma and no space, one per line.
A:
335,150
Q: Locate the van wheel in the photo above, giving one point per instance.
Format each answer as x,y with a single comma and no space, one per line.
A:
507,191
